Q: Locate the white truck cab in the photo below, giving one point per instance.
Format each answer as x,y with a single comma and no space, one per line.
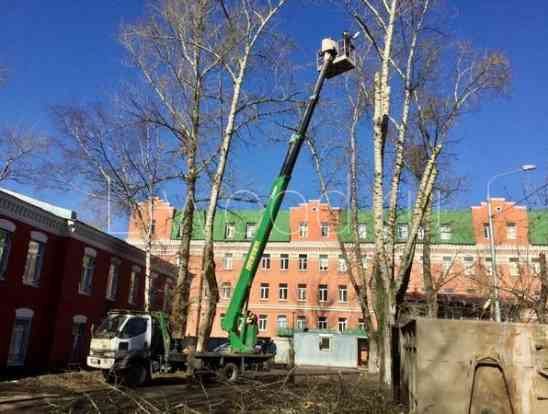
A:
127,343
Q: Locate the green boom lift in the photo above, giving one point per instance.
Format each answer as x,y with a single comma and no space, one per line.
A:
334,58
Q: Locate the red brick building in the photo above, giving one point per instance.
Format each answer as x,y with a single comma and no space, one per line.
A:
58,276
303,282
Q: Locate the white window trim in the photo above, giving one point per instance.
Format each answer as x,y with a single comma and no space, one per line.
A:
38,239
260,325
21,314
24,313
7,225
116,262
79,319
88,251
38,236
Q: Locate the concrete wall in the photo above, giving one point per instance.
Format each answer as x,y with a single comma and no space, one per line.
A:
342,352
474,367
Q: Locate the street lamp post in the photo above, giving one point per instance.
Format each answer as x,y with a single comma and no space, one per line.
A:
495,299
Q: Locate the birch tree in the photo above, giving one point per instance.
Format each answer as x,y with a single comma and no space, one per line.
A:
247,23
194,58
105,154
177,76
402,85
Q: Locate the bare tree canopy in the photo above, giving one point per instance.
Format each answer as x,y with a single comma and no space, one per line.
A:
20,154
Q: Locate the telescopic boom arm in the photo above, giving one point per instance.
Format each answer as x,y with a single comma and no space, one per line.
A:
333,59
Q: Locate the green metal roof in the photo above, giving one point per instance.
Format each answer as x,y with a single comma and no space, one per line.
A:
538,227
240,218
459,221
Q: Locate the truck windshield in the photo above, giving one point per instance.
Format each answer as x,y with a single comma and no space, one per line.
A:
110,326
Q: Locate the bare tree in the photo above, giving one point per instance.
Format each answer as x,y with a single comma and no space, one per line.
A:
248,22
20,154
195,58
406,55
178,80
103,152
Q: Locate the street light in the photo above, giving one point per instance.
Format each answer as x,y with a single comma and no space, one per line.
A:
496,302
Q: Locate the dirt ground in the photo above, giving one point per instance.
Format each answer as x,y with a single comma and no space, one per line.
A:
306,391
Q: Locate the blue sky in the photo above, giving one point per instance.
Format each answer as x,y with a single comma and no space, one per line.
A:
66,51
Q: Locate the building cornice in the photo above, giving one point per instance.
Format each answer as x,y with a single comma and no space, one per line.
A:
17,209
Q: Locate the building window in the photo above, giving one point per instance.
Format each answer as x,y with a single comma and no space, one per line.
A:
535,264
78,331
265,262
341,265
250,229
514,266
230,231
133,285
88,268
362,231
322,293
34,262
226,290
325,343
301,292
5,247
488,266
20,337
301,323
468,265
221,317
227,261
264,290
447,262
343,294
342,325
364,262
262,322
281,321
324,262
361,325
486,231
445,232
303,230
511,231
403,231
282,291
322,322
113,275
284,261
420,233
153,227
303,262
324,229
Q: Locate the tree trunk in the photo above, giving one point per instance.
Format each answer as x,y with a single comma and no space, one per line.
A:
207,315
148,254
181,299
429,288
373,363
543,276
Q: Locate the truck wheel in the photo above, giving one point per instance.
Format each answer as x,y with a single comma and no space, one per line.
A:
136,375
230,372
109,377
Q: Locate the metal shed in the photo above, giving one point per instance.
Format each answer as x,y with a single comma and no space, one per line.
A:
328,349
